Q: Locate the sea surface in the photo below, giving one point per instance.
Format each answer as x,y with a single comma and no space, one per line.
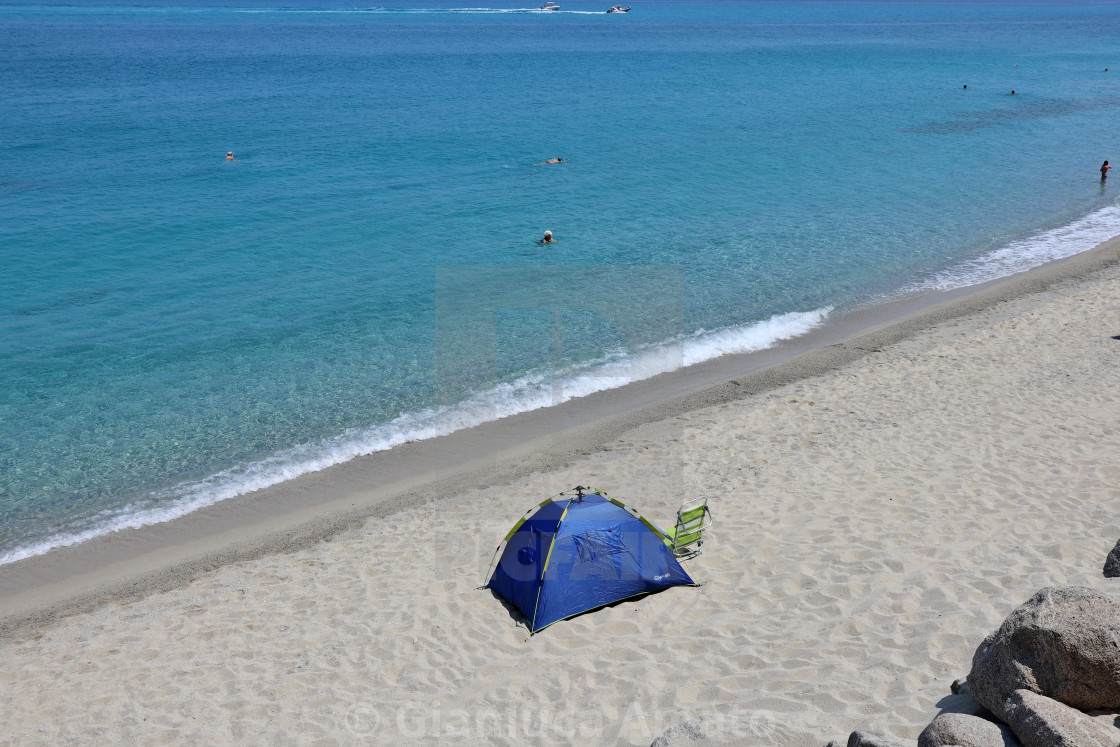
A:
177,329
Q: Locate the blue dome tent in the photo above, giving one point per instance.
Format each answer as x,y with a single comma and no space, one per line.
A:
576,553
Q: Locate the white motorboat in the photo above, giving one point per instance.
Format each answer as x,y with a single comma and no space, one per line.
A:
550,6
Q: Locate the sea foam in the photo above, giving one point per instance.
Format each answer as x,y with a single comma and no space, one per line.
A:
533,391
1022,254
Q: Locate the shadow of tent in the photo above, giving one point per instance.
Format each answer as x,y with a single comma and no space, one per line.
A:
517,617
514,613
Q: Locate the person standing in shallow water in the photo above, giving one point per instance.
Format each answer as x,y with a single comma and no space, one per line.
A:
1104,170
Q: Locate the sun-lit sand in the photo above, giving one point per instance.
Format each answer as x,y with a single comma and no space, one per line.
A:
873,523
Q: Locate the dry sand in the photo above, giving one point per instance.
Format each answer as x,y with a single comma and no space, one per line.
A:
875,521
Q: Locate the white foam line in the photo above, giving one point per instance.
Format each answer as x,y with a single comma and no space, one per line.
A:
530,392
1031,251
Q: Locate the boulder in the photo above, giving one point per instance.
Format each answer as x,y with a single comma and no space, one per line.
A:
1112,562
963,702
1040,721
966,731
1064,642
870,739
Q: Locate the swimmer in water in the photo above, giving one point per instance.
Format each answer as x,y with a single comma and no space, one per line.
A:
1104,170
558,159
229,156
547,238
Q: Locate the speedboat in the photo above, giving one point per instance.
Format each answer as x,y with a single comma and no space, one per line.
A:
619,9
550,6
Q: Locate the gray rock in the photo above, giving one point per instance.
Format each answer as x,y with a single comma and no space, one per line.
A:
966,731
1112,562
870,739
1040,721
1064,642
964,703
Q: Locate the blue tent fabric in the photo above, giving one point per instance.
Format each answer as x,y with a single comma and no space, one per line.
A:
577,555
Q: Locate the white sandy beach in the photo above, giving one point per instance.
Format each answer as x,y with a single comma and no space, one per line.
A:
874,522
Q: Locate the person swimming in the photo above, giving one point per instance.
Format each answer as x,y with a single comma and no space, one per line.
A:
229,156
547,238
558,159
1104,170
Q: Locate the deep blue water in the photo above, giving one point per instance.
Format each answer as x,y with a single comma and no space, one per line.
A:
177,329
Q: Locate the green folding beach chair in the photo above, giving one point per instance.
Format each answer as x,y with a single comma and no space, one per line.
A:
693,517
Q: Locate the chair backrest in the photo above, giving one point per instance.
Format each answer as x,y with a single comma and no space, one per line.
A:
693,517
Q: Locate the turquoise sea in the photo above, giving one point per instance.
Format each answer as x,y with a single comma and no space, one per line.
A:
178,329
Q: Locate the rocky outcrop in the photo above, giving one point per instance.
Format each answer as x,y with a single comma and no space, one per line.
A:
1040,721
961,701
1112,562
1054,657
1064,643
965,731
870,739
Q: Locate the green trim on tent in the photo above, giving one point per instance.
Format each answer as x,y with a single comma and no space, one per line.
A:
649,524
654,528
524,518
515,528
544,568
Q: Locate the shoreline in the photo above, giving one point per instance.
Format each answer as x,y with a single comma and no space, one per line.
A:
874,522
314,507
